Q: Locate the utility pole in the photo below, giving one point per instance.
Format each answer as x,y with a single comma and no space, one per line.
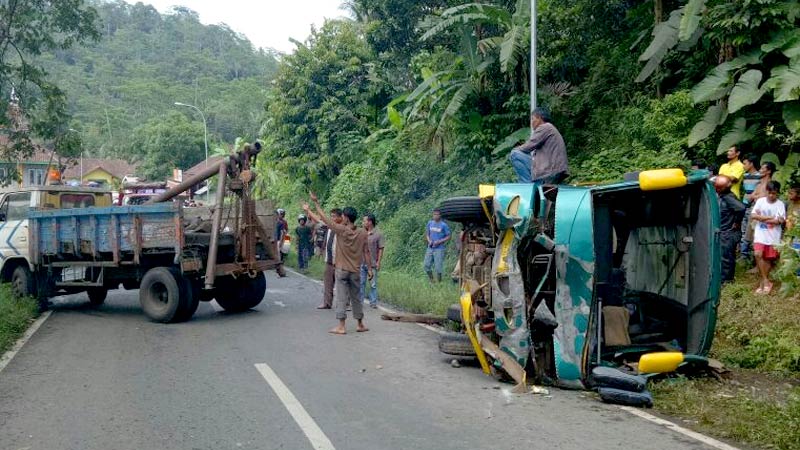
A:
205,140
533,55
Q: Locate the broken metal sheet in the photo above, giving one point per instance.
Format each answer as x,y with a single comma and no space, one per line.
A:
574,252
513,205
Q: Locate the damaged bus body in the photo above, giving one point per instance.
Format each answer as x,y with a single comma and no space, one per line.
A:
559,280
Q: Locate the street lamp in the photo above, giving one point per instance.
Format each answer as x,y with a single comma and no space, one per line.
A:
205,138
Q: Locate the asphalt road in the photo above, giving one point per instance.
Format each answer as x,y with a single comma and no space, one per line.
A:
110,379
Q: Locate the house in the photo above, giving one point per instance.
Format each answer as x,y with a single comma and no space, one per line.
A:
107,172
33,170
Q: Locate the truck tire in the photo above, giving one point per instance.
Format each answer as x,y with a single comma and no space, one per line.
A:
463,210
621,397
240,294
190,299
160,295
457,344
22,282
454,313
97,295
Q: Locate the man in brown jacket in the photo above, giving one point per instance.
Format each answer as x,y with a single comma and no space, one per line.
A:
351,249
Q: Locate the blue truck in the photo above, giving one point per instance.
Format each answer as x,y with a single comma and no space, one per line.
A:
175,258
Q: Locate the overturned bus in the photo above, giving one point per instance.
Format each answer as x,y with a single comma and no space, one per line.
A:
557,281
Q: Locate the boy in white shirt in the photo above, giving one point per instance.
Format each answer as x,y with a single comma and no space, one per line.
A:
769,213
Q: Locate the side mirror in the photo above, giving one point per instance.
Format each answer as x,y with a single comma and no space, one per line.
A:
2,217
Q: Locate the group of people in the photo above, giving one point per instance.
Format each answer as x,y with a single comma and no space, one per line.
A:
752,217
352,257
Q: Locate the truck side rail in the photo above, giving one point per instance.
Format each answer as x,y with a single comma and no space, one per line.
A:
109,235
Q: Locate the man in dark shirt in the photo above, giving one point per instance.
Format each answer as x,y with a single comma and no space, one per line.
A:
731,213
305,242
543,158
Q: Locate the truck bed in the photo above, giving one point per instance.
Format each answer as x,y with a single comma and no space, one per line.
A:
109,234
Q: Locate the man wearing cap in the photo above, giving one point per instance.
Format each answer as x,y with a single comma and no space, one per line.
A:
543,158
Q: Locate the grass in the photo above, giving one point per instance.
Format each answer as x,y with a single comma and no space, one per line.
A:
15,316
758,402
733,411
756,331
402,290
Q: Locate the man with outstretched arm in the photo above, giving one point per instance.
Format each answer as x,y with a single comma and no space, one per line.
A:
351,249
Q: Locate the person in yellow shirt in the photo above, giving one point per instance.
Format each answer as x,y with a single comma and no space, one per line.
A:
734,170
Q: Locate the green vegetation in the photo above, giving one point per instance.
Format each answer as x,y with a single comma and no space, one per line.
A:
31,28
15,316
121,89
765,417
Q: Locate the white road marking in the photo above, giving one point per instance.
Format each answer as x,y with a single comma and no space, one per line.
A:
12,352
636,412
310,428
281,304
382,308
711,442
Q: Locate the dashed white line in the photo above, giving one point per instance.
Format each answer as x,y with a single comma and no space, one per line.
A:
679,429
11,353
313,432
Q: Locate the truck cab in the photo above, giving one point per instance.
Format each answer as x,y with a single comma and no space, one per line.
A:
16,265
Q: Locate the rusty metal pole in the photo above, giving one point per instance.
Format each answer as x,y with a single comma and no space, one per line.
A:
207,173
211,265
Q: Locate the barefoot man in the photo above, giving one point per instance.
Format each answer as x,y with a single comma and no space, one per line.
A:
351,249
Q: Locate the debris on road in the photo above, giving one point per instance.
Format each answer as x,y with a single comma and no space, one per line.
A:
455,364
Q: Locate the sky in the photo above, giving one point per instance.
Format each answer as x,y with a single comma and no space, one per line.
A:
267,23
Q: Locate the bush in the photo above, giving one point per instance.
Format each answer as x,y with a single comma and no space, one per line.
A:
15,316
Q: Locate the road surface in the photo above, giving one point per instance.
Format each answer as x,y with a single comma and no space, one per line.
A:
110,379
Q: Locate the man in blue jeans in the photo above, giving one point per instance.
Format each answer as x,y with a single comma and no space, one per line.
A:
543,158
437,233
375,242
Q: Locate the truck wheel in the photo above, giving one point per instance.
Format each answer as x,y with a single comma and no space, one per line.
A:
97,295
240,294
22,282
463,210
457,344
454,313
160,295
190,299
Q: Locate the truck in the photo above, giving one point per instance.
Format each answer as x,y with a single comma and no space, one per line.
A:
561,282
176,260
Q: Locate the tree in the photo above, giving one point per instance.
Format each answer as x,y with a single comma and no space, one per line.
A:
29,28
165,143
758,45
322,104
